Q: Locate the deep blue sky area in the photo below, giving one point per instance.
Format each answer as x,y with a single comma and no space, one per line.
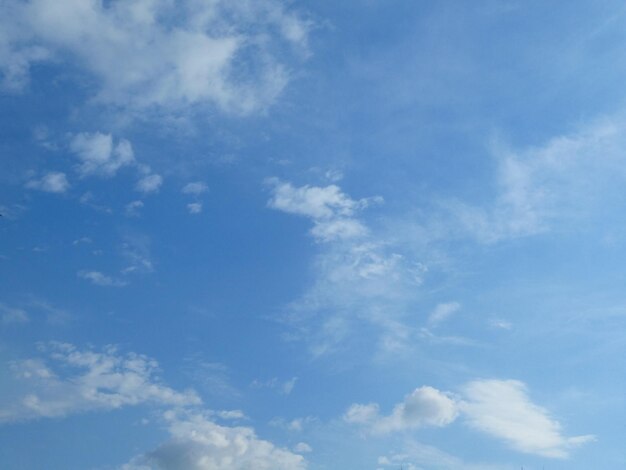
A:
285,235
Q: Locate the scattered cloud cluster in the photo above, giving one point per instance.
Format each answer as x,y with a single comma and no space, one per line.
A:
135,250
99,155
197,443
195,189
147,54
500,408
88,380
98,381
283,387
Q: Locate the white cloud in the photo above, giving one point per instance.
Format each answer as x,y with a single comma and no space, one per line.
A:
302,448
148,54
502,408
197,443
195,188
99,156
194,207
149,184
442,312
362,414
425,406
331,210
359,277
87,380
100,279
52,182
312,201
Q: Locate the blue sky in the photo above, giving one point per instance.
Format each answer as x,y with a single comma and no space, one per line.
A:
312,235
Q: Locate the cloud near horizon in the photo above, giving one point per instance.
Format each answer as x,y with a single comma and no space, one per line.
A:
499,408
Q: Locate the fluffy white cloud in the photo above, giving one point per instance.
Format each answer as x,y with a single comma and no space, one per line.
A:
99,155
425,406
195,188
503,409
149,183
52,182
87,380
312,201
100,279
194,207
158,53
500,408
197,443
328,207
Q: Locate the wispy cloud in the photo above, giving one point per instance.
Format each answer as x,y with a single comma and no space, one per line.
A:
12,315
133,208
359,277
416,455
52,182
559,181
100,279
442,312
